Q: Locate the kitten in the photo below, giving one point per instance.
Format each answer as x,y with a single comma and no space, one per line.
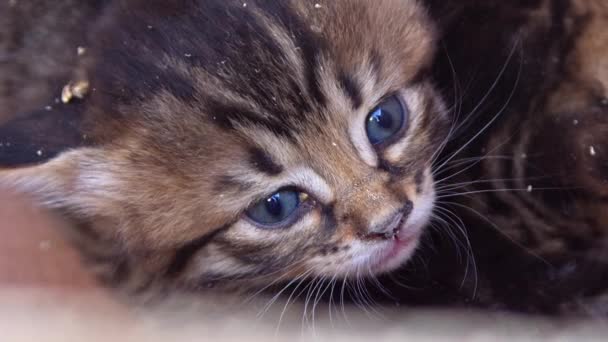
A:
244,143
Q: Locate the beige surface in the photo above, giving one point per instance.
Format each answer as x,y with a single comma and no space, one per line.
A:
30,316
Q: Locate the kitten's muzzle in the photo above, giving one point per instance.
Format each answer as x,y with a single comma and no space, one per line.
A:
390,227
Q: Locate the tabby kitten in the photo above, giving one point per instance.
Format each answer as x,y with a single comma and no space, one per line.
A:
243,143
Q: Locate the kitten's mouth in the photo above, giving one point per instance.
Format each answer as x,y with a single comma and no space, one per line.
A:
397,251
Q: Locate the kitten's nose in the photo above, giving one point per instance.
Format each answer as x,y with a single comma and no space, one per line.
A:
389,227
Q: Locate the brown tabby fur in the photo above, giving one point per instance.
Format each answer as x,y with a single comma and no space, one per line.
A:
179,142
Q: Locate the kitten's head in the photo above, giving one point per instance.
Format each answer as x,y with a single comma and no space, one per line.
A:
253,140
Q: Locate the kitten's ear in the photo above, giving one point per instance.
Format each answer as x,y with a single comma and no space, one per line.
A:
64,183
42,155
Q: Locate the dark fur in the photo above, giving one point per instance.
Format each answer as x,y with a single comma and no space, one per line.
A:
544,250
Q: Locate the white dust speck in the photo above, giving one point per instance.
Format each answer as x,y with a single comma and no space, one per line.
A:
333,143
150,27
188,55
592,150
80,50
44,245
39,153
529,189
244,4
66,94
575,122
74,89
316,28
317,5
48,108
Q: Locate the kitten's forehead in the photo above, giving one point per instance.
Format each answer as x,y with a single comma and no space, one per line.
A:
393,37
270,63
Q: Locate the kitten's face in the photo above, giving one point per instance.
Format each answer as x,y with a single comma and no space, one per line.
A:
255,141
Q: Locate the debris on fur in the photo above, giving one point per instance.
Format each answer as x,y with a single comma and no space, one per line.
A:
77,89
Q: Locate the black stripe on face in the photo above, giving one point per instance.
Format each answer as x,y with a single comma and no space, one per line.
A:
230,183
263,255
262,162
186,252
309,44
393,170
225,115
351,88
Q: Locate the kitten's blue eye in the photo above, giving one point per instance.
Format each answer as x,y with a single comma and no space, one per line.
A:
386,120
276,208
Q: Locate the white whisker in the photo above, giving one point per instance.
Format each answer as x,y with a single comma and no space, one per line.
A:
498,229
496,116
503,190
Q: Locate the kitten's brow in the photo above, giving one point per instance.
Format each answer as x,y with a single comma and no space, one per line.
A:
351,88
263,162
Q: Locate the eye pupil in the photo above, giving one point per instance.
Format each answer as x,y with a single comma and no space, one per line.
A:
273,205
382,119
